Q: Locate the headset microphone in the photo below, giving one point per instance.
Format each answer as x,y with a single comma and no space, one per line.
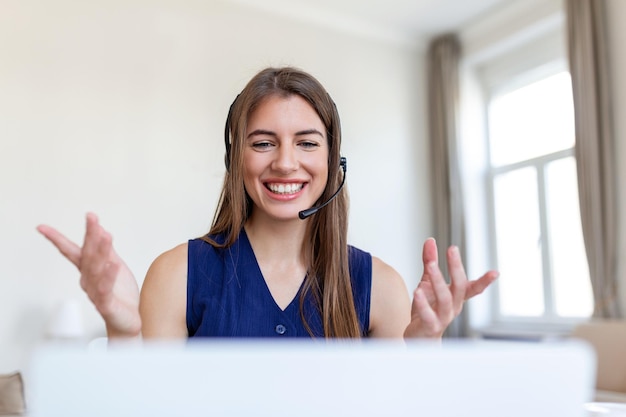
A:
309,212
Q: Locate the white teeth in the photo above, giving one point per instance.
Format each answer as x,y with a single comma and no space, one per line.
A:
284,188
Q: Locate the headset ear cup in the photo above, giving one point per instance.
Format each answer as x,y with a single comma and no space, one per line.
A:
227,141
227,144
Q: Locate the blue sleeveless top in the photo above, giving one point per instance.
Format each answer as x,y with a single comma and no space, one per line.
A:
227,295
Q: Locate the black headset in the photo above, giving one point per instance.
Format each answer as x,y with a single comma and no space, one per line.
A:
227,143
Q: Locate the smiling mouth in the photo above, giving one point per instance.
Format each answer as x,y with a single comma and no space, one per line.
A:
284,189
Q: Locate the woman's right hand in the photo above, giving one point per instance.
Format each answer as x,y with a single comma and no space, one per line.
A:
104,276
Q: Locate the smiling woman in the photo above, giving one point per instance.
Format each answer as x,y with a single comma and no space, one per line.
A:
285,157
263,270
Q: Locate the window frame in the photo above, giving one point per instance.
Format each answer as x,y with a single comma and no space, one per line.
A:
492,74
540,164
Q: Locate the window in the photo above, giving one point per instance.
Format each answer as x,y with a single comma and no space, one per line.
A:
537,236
519,176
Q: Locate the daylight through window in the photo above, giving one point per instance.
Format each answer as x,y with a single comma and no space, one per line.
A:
536,220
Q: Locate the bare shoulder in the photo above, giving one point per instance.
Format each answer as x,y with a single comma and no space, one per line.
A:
174,259
163,301
390,309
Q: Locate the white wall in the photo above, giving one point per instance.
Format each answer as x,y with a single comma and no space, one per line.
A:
118,107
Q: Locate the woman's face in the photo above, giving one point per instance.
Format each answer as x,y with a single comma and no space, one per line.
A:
285,157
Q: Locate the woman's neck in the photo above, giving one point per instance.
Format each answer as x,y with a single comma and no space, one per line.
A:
277,240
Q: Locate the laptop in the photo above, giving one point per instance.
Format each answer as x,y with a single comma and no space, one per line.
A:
315,379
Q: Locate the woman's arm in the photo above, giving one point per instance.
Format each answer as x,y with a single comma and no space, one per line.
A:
163,300
390,306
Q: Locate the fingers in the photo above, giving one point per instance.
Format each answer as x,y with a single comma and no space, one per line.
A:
462,289
439,297
430,323
435,302
100,287
99,266
478,286
68,248
429,255
458,278
97,248
429,252
441,292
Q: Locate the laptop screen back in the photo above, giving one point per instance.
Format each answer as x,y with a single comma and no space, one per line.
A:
314,379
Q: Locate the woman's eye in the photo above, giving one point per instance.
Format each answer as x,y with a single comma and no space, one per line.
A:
309,144
262,145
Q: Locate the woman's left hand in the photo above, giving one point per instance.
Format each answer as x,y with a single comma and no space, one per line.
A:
435,302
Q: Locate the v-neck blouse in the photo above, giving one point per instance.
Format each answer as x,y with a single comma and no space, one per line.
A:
227,295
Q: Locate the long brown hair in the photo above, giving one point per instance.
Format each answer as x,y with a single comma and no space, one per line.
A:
328,275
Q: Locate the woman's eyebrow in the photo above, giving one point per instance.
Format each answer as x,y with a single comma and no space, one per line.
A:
309,132
258,132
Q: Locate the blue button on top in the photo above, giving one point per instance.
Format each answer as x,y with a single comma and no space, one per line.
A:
280,329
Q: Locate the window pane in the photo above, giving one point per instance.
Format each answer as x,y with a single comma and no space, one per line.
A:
518,235
534,120
570,272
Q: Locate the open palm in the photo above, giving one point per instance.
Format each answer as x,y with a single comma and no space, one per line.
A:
435,302
104,276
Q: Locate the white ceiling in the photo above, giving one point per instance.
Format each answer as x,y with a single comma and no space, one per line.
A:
407,20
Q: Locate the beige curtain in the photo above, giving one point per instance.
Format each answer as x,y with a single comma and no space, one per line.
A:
595,149
443,95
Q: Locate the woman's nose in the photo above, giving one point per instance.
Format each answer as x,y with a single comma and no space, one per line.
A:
286,159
